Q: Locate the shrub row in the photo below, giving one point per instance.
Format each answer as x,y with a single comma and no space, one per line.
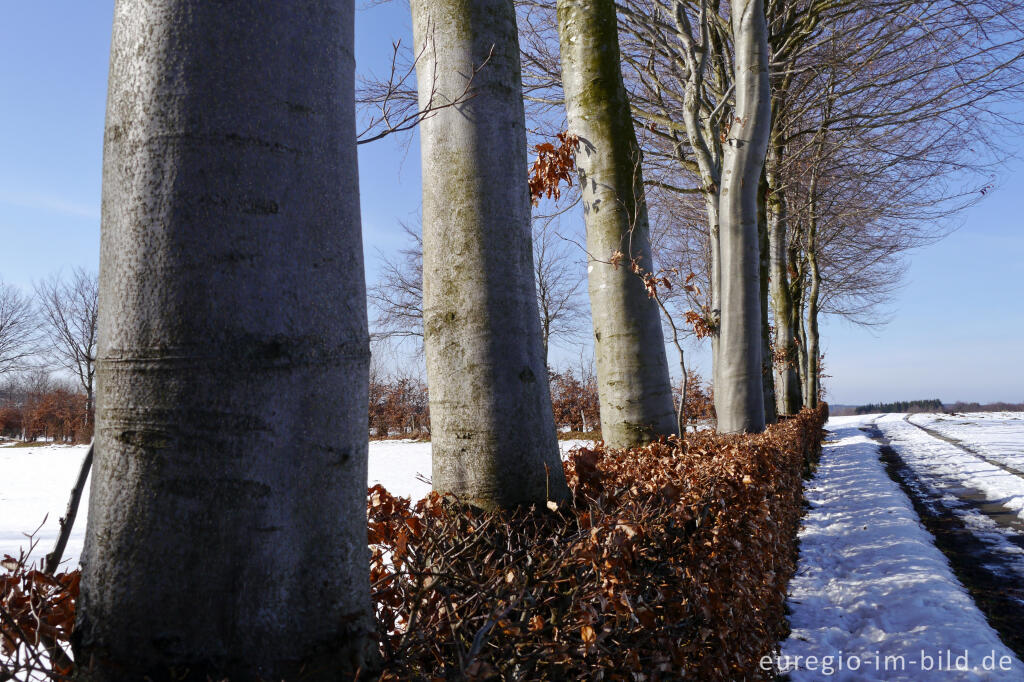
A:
664,565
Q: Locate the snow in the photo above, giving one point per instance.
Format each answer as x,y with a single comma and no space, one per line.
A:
947,464
872,591
35,483
996,435
872,597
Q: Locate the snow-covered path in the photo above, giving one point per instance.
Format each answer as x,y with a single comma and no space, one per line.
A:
872,591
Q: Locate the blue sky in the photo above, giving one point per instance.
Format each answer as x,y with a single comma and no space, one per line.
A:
958,325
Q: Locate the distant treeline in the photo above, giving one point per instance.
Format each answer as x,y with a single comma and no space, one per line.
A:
960,406
901,406
925,406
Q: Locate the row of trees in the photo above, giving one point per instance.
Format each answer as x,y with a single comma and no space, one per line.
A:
868,125
232,298
399,405
934,405
865,157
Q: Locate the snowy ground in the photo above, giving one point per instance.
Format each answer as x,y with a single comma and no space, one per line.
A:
996,435
872,591
945,464
35,484
873,598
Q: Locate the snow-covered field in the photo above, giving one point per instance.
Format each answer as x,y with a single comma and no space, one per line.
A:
996,435
873,598
945,464
35,484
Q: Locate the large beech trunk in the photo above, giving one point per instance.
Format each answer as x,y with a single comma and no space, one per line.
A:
739,397
787,376
800,329
812,388
492,430
771,414
629,346
227,518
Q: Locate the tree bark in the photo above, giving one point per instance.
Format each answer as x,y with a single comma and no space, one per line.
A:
629,346
227,519
493,433
787,378
739,397
813,380
771,414
800,328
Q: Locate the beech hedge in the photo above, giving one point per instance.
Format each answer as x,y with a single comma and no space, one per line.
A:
666,564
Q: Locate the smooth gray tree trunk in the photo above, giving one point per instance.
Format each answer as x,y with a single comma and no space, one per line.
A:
801,338
812,386
787,377
493,434
739,397
771,414
227,518
629,346
715,256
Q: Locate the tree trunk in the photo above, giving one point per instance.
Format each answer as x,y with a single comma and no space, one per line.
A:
813,380
545,336
632,369
715,256
801,338
771,414
494,440
90,411
787,377
739,399
227,521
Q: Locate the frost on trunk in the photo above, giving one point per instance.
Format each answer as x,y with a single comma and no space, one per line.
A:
739,398
629,346
227,519
787,376
493,434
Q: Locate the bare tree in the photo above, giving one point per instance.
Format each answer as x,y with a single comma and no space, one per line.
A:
493,433
230,457
931,75
392,105
739,396
892,127
18,326
69,312
558,274
397,296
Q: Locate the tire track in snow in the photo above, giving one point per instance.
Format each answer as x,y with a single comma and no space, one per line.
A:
969,450
993,577
871,582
